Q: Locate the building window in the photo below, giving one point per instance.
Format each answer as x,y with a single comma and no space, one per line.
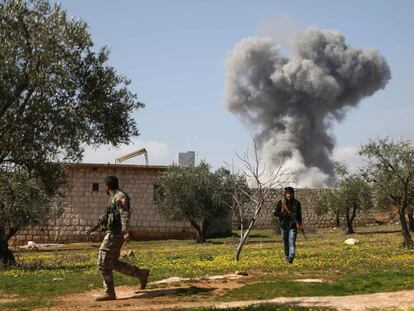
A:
95,186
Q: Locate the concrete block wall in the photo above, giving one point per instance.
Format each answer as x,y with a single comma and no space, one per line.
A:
309,199
87,206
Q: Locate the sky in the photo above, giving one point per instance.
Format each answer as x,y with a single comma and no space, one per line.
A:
174,52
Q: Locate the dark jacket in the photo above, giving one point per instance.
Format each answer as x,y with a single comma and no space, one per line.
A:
289,221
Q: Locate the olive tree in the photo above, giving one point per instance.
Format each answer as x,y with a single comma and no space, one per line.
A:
410,214
57,94
328,203
27,201
390,171
193,194
350,195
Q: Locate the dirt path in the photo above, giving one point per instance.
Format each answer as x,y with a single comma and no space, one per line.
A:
179,294
393,300
170,294
8,298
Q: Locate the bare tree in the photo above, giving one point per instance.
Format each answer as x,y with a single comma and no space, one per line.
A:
248,203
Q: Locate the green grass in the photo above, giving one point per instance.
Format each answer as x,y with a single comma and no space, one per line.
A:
44,286
25,304
378,263
280,286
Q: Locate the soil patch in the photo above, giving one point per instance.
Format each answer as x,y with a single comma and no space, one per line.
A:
401,300
182,293
178,293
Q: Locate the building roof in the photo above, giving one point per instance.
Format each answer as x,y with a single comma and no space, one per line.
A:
110,165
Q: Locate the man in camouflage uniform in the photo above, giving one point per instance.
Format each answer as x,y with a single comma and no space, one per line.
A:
115,222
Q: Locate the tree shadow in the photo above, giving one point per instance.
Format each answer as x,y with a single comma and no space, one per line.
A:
254,235
213,242
255,242
289,305
177,292
378,232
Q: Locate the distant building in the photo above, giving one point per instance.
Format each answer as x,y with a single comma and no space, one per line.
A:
186,158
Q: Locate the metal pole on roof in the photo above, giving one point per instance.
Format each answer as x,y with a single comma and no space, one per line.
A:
134,154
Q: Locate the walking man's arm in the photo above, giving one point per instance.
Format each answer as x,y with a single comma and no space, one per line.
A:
123,206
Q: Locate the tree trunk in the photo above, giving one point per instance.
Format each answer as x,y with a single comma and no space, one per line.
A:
243,239
244,236
349,219
337,220
6,256
200,236
410,214
205,226
408,241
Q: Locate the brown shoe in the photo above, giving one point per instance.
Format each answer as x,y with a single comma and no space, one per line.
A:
106,297
143,278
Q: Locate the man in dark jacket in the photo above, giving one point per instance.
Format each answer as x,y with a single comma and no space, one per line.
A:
289,212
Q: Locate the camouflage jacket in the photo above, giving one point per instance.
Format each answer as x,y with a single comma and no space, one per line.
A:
117,214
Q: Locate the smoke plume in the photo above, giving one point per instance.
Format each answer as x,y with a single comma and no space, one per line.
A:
294,101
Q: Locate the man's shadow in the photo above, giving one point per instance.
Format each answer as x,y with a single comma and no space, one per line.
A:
179,291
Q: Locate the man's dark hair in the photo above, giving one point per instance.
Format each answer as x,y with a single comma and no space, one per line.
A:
112,182
289,189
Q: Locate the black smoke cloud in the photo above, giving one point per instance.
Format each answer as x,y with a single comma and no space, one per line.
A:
294,101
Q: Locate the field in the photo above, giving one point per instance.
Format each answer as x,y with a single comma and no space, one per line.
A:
377,264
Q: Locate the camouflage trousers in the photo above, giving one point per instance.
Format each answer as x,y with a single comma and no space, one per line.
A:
108,260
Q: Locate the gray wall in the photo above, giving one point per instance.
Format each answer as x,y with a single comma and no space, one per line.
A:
309,199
